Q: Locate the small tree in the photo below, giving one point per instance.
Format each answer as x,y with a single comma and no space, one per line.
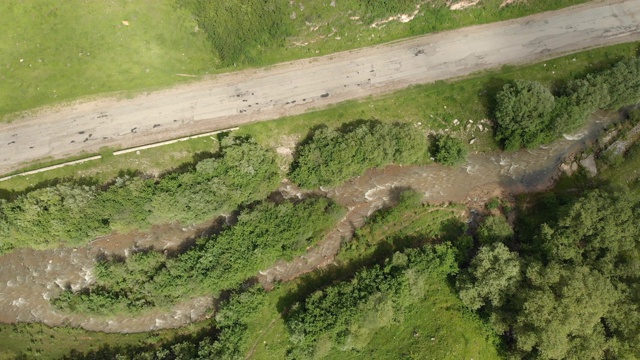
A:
523,114
494,229
494,275
448,150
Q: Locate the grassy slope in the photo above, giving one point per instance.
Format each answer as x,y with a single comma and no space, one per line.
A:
52,51
42,342
321,29
435,106
457,334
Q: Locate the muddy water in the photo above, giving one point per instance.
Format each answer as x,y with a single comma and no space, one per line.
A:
28,278
481,178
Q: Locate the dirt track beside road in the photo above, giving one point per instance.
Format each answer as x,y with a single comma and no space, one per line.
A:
242,97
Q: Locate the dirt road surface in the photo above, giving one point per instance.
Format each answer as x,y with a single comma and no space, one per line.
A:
253,95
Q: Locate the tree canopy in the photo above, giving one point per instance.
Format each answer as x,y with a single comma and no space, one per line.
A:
577,294
331,156
523,113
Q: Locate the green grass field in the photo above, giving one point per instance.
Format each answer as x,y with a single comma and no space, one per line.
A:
53,52
37,341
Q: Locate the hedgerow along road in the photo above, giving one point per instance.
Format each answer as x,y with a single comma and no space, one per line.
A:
242,97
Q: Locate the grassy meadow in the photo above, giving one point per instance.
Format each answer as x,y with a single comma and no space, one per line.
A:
56,51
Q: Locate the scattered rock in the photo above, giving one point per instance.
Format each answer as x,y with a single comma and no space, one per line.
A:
472,141
589,164
565,168
125,23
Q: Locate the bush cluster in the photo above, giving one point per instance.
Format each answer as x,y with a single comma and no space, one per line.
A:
448,150
331,312
242,173
262,235
528,114
331,156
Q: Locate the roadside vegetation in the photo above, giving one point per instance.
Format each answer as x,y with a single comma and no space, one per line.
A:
443,107
73,213
528,114
53,52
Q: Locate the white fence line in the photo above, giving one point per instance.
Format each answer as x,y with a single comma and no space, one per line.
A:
119,152
52,167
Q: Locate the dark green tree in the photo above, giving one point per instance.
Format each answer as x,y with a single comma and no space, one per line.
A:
562,313
523,114
494,229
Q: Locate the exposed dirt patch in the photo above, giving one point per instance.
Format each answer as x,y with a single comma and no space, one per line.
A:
460,5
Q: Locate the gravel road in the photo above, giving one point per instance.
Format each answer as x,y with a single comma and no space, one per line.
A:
261,94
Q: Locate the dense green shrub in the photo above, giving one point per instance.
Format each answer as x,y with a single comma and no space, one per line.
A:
262,235
330,313
331,156
448,150
239,30
527,114
622,82
494,229
523,113
494,276
242,173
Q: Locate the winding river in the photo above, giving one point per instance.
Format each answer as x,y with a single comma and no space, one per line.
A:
28,278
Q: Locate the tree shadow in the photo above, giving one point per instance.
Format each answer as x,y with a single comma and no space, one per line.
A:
12,195
190,166
490,89
109,352
351,126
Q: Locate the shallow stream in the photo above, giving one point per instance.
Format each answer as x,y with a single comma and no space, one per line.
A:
28,278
